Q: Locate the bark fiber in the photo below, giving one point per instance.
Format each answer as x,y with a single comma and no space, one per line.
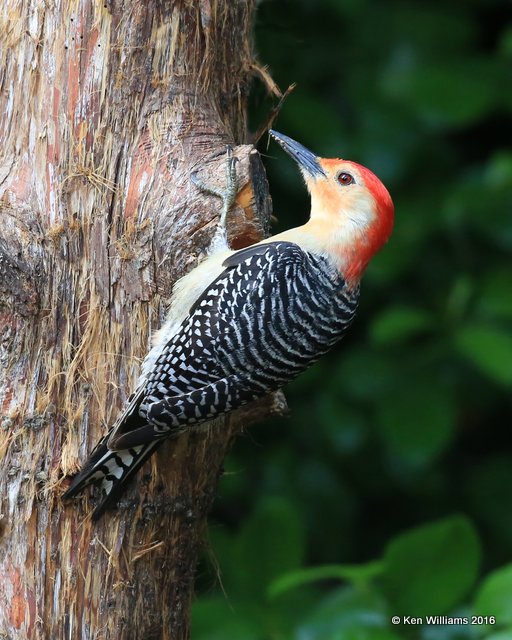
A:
105,109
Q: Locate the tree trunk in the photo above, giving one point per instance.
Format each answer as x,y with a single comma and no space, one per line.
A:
106,108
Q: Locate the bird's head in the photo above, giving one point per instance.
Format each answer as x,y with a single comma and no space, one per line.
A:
351,210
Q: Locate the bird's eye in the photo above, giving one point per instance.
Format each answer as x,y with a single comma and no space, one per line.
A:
345,179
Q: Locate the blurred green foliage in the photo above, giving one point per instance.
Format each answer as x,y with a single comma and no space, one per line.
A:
388,491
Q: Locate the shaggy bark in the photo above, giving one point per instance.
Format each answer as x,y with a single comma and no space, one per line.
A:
105,110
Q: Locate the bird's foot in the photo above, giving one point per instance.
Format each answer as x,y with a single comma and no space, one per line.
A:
227,195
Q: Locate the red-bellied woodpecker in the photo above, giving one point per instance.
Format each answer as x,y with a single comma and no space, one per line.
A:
244,323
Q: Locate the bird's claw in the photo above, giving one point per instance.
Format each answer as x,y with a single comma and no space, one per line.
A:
227,195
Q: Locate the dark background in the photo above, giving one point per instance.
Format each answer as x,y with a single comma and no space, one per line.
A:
388,490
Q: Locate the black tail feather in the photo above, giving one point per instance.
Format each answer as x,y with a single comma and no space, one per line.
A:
111,470
85,476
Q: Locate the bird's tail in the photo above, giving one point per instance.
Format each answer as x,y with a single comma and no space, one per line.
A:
110,470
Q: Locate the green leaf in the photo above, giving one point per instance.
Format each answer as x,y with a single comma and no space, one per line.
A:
361,633
498,170
495,596
443,93
450,631
506,43
495,300
270,542
431,569
357,574
345,429
480,201
364,373
506,634
489,349
417,422
398,324
348,614
488,488
214,619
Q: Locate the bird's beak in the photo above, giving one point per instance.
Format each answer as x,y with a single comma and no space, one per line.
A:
304,157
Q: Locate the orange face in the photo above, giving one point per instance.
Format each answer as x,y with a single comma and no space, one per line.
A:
351,210
355,193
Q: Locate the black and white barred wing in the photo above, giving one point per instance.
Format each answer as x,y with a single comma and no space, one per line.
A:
189,384
186,386
295,309
272,312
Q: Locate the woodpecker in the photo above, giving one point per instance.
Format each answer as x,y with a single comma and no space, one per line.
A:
244,323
